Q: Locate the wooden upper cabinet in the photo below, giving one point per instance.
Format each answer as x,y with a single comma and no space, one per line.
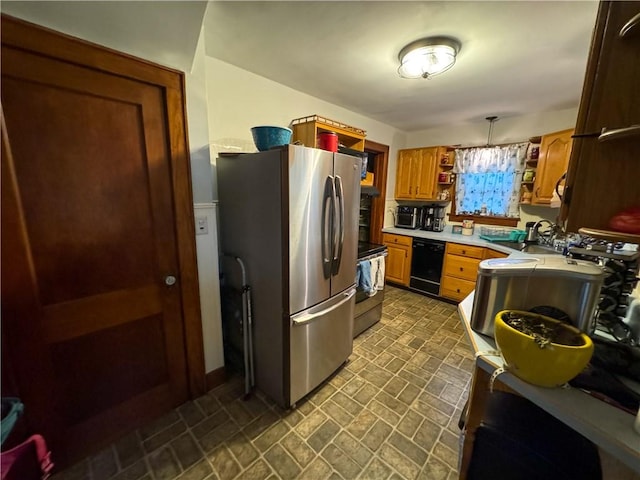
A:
416,174
555,150
426,179
605,161
404,187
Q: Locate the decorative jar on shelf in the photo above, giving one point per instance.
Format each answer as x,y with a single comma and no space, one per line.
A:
528,176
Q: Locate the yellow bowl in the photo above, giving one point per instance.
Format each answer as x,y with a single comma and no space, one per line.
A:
547,366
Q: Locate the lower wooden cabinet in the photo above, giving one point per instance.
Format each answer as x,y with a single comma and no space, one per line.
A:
460,270
456,288
398,265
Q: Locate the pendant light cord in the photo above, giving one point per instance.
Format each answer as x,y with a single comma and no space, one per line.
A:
491,120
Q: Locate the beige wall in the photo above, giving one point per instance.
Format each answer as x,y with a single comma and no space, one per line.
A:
238,100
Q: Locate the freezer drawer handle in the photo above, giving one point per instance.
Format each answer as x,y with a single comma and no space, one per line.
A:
307,317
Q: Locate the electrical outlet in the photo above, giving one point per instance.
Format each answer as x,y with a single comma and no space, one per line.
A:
202,227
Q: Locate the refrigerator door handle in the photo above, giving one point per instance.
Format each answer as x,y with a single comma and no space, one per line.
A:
337,258
327,222
310,315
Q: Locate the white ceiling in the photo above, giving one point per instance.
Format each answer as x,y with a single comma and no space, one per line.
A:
517,57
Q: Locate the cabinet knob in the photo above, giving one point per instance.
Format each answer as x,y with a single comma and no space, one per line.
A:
458,290
170,280
464,252
461,269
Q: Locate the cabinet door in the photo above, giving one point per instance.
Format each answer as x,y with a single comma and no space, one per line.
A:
404,187
461,267
398,263
603,175
456,288
554,161
406,270
426,174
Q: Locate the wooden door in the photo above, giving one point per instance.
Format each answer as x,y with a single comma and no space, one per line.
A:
99,290
404,175
426,179
553,163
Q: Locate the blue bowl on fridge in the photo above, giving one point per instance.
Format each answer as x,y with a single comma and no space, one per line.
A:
267,137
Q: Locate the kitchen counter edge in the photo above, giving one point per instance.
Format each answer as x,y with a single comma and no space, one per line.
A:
447,236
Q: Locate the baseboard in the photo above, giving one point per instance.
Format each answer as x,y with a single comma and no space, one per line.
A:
216,378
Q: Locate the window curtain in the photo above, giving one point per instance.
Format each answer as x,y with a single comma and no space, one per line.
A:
488,180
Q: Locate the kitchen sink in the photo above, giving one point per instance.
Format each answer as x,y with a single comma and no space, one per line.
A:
529,247
540,249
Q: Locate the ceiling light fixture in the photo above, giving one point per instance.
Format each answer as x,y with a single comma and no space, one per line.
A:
427,57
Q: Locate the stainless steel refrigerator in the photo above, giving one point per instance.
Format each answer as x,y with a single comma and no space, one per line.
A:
291,215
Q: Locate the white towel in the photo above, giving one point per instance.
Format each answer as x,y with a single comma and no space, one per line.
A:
377,273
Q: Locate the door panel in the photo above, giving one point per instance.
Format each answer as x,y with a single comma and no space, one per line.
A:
347,170
308,171
88,223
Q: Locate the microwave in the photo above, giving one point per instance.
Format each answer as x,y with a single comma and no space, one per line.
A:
408,217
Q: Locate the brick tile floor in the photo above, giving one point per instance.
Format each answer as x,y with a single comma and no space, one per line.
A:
391,412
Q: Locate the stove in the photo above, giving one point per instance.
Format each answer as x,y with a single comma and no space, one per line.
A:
366,249
368,310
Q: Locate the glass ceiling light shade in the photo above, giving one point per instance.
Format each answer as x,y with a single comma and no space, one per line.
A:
427,57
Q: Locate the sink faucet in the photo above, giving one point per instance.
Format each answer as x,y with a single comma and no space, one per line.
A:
546,238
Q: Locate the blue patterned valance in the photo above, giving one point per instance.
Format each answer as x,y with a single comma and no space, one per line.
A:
488,180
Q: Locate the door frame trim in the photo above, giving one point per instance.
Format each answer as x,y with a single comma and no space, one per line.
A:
380,166
44,41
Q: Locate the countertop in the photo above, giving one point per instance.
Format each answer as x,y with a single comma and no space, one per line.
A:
447,236
608,427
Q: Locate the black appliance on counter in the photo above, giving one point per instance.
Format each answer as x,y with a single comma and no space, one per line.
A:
432,218
426,265
368,310
408,217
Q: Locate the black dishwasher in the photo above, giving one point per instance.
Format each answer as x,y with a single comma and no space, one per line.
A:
426,265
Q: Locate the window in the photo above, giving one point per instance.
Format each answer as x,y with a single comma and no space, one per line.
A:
488,180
